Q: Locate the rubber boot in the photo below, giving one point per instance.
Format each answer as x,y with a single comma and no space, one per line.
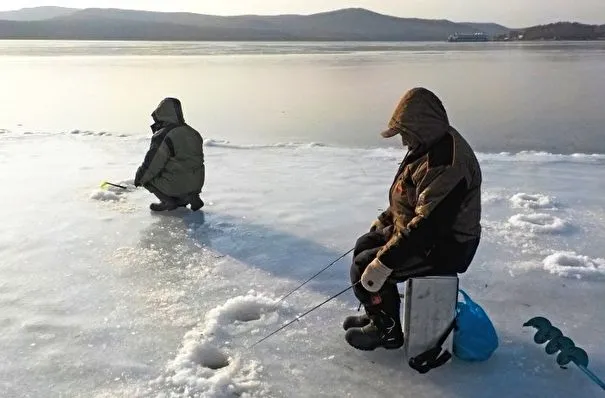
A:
384,330
356,321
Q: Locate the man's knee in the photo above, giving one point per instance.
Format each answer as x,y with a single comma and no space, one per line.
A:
152,189
361,262
371,240
357,269
159,194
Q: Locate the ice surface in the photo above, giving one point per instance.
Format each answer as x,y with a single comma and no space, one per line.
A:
102,302
204,365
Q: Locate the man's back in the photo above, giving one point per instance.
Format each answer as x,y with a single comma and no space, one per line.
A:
467,225
184,172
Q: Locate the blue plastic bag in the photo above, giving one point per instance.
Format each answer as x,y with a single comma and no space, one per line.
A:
475,338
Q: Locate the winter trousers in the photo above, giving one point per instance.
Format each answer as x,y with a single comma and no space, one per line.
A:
387,299
166,198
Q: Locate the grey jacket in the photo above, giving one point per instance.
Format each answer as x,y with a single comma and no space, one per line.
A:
174,163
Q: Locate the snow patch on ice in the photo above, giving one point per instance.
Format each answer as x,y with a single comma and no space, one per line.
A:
105,196
89,133
573,265
542,157
533,201
204,354
489,197
226,144
241,314
539,223
202,369
20,131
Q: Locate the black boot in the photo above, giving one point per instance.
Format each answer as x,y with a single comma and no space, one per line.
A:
196,202
163,206
356,321
384,331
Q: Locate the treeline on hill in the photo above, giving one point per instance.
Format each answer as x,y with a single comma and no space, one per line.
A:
557,31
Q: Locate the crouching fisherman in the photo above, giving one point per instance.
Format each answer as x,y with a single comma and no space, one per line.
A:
173,168
431,227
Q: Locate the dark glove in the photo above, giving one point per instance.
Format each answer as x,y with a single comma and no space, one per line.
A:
137,178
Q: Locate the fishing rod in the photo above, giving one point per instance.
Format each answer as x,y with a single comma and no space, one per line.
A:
314,276
104,183
300,316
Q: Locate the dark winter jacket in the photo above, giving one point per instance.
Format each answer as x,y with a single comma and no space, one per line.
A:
174,163
435,199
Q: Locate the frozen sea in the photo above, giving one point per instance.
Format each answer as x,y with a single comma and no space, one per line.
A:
101,298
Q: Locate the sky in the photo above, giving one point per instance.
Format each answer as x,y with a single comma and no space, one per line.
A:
513,13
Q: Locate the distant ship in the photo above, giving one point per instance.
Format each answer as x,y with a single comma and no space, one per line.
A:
468,37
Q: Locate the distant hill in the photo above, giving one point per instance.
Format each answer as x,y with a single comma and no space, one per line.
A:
354,24
563,31
557,31
36,13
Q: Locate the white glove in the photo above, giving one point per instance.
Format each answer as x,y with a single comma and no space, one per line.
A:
375,276
377,225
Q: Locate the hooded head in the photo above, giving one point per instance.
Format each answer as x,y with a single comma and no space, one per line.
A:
420,119
169,111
